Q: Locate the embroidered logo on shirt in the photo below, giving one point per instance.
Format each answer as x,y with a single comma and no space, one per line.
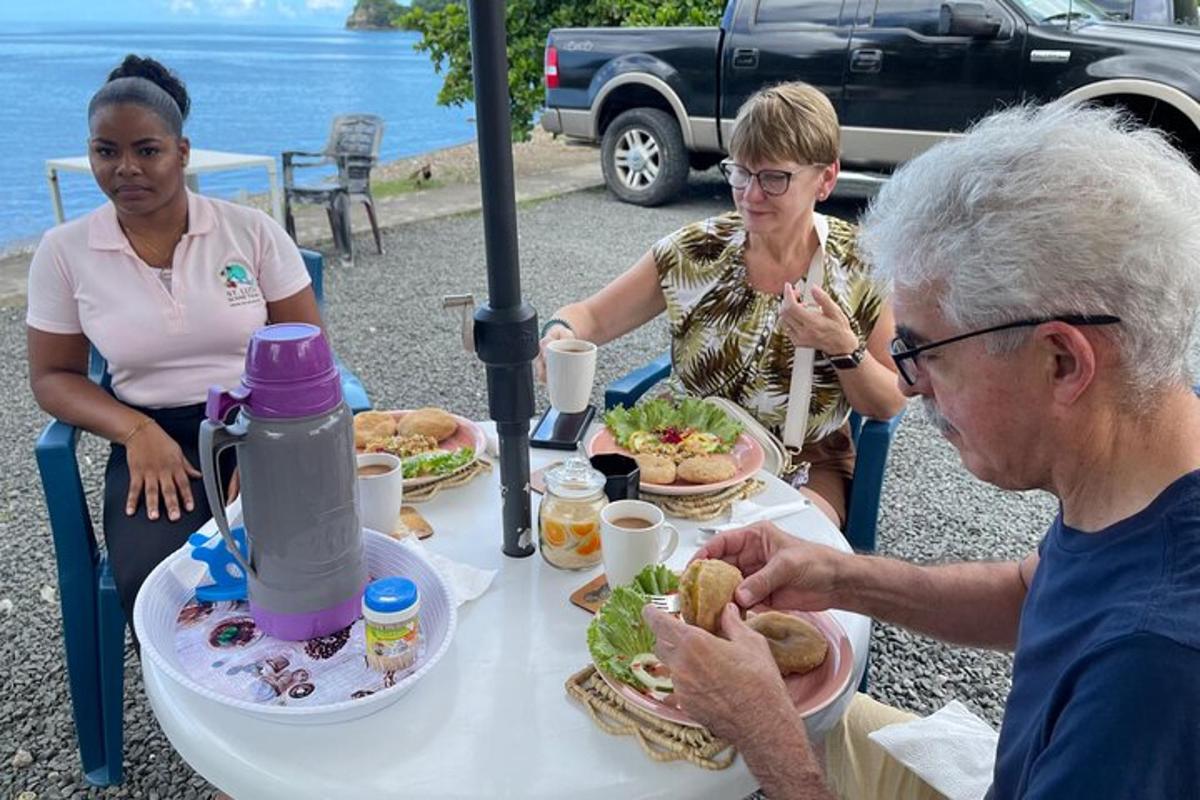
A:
240,289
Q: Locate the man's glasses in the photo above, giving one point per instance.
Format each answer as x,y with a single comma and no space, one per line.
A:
905,355
774,182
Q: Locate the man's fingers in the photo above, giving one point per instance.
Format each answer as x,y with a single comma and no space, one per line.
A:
732,625
761,584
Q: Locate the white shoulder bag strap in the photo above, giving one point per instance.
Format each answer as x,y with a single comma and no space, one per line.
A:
795,424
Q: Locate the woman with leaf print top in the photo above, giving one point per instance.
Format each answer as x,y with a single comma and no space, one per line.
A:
733,288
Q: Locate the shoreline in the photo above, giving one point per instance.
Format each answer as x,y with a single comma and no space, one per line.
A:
447,183
453,164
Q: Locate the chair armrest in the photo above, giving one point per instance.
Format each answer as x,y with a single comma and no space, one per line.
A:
353,392
288,155
626,390
70,521
862,516
290,165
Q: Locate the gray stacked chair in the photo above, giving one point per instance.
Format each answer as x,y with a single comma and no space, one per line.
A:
353,146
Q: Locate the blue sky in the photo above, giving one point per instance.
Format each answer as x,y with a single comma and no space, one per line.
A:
283,12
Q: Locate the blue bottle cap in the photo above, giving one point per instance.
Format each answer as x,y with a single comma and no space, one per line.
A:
389,595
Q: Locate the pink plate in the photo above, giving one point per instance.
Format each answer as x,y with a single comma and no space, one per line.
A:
747,456
811,692
468,435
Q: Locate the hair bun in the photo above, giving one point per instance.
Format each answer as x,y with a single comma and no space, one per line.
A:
137,67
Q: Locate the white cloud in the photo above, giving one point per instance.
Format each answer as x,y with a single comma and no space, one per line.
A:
235,8
326,5
285,10
182,7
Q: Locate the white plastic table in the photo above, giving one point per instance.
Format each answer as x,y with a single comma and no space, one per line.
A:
199,161
492,719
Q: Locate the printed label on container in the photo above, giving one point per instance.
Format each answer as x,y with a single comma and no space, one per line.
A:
393,648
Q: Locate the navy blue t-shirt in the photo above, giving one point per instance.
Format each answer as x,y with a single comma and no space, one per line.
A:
1105,701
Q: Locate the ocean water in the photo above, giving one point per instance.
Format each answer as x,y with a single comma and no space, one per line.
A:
258,90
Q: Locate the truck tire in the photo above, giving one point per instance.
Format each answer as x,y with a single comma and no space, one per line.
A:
643,157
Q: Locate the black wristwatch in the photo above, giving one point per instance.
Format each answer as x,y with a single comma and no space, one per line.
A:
848,361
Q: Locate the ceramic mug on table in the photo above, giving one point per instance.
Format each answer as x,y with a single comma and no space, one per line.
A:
633,535
380,491
570,372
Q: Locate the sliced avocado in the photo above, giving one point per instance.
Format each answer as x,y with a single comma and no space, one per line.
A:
651,672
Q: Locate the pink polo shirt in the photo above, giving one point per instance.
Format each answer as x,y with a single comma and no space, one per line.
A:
165,348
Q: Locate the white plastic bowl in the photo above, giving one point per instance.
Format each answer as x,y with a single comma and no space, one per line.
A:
165,592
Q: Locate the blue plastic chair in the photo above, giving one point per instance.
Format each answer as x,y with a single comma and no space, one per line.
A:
872,439
93,623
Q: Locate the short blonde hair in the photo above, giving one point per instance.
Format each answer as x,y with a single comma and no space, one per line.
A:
786,122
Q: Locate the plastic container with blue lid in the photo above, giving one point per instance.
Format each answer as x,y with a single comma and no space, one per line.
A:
390,609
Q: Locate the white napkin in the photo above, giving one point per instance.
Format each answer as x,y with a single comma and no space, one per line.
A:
466,582
952,750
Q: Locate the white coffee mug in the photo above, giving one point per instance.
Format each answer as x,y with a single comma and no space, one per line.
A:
645,538
570,372
380,491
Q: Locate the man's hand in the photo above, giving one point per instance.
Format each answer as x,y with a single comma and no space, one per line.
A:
780,571
725,684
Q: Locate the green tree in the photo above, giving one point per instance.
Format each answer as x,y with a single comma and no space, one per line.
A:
445,36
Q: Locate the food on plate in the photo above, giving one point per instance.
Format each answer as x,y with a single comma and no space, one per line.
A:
706,469
677,431
619,639
797,646
370,425
655,468
437,462
401,445
432,422
705,589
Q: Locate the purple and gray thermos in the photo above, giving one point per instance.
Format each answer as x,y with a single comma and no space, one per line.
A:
305,567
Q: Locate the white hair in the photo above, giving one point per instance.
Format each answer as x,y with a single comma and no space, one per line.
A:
1041,211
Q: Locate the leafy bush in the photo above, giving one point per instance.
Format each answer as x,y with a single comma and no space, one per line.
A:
446,38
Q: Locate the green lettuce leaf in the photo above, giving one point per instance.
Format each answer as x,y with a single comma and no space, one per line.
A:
657,579
617,633
660,413
437,462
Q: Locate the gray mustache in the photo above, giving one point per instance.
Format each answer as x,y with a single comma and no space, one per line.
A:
935,418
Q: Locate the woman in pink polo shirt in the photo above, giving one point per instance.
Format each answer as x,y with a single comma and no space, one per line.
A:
168,286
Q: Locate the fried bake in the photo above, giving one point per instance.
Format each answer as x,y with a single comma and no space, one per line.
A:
705,588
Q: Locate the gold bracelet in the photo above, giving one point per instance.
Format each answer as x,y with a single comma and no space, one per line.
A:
133,431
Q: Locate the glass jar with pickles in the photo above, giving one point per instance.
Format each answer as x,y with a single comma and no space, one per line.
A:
569,518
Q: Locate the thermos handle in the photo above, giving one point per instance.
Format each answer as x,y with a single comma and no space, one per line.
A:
215,438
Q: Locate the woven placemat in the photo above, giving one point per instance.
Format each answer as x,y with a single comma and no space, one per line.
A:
701,507
455,479
660,739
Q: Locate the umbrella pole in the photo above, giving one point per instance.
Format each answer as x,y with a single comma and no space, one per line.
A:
505,327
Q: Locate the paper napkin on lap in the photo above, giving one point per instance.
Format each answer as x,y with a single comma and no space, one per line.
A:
952,750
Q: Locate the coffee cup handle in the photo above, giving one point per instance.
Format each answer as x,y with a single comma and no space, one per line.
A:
672,542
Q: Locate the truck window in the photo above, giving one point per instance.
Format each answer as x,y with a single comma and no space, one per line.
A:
808,12
918,16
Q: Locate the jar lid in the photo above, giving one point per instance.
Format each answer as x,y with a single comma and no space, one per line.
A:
389,595
575,477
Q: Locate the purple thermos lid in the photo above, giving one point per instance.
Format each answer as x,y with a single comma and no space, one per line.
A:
290,373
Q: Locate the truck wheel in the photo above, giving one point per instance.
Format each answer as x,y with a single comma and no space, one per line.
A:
643,157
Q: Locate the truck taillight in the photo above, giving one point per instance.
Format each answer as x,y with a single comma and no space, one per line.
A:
551,67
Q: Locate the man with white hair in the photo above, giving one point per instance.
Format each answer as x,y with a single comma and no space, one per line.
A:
1045,271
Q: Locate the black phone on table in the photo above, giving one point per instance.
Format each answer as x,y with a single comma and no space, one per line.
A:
559,431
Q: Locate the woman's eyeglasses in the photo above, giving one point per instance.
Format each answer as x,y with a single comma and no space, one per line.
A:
773,182
905,355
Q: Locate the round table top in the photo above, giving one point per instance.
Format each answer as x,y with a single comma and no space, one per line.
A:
493,717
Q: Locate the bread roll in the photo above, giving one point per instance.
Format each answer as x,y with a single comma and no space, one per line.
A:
705,588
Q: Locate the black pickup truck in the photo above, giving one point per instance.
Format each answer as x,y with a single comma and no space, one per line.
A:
902,74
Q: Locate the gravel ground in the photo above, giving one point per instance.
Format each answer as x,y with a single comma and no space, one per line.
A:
385,317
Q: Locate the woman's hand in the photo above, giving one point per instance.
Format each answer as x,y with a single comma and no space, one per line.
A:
235,486
555,332
825,328
158,469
